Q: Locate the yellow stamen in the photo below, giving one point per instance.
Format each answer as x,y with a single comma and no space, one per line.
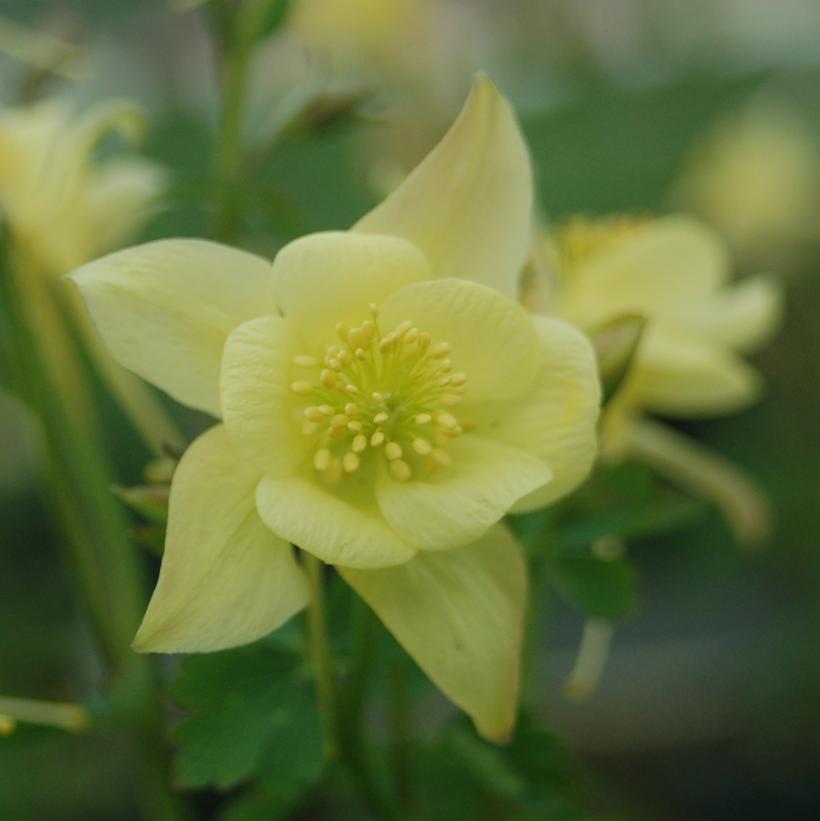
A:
321,459
400,470
392,450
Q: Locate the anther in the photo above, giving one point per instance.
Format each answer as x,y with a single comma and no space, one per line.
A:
350,462
458,379
357,338
400,470
374,309
334,470
327,410
450,399
338,421
359,443
440,350
309,428
380,418
441,457
377,438
354,426
423,418
403,328
321,459
327,378
302,388
447,420
351,409
422,447
334,363
377,397
392,450
313,413
424,339
341,331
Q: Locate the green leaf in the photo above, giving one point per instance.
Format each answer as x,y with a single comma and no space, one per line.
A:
601,588
462,776
624,501
252,715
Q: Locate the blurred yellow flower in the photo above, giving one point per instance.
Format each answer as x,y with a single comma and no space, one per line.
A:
384,401
674,272
360,29
756,177
63,206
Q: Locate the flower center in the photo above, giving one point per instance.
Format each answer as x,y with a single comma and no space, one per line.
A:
389,394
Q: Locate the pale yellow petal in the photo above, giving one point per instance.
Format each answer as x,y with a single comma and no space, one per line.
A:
339,525
459,614
743,316
678,375
491,338
557,421
457,503
322,279
258,407
661,268
225,578
165,309
468,204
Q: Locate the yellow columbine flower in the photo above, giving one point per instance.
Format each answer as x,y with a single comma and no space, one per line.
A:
673,271
62,207
65,208
756,177
384,402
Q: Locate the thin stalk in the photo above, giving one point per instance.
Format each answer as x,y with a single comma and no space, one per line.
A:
63,715
104,561
399,726
352,726
228,160
319,651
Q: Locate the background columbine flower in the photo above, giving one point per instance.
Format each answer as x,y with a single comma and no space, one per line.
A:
755,175
62,206
385,401
674,272
58,201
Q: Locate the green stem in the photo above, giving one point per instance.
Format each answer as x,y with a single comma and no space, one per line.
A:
352,724
106,569
319,650
105,563
399,732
